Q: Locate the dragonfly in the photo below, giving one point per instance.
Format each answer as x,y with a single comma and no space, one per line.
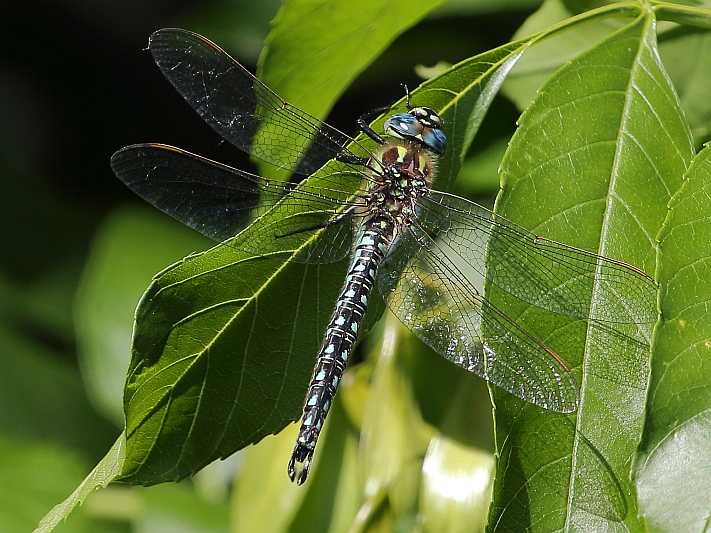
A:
427,252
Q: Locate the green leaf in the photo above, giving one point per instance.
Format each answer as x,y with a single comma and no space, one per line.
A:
456,487
684,52
393,435
335,488
272,507
675,457
61,413
240,27
43,301
103,473
593,163
479,175
548,54
478,7
130,246
327,502
224,341
315,49
699,17
35,476
457,477
178,508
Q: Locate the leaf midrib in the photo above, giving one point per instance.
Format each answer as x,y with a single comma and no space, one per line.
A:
605,227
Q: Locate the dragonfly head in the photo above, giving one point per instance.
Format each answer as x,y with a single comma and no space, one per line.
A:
419,124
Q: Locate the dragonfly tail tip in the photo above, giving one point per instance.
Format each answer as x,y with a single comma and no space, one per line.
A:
299,463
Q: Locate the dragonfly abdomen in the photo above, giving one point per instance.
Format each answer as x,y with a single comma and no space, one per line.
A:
341,334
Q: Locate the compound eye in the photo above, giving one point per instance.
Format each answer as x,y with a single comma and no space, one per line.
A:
435,140
403,125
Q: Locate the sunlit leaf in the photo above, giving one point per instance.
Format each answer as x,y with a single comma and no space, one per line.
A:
335,486
394,437
456,487
314,50
262,499
683,50
457,476
541,60
593,163
675,457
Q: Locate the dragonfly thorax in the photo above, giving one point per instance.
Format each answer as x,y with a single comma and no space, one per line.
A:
407,174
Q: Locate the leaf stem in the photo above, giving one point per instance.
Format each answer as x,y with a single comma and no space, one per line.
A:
629,7
699,17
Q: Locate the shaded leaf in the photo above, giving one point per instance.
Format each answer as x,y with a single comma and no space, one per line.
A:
684,52
225,340
593,163
476,7
673,481
689,15
479,175
241,27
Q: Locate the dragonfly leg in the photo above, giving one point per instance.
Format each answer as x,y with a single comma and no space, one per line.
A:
363,125
336,220
351,159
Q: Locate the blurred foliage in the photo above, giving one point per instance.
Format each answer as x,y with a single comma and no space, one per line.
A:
112,284
410,441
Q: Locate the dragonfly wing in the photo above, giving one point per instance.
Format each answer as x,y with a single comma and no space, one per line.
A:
240,108
538,271
219,201
435,296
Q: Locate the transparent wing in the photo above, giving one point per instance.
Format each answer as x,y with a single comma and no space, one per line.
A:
434,294
218,201
240,108
541,272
